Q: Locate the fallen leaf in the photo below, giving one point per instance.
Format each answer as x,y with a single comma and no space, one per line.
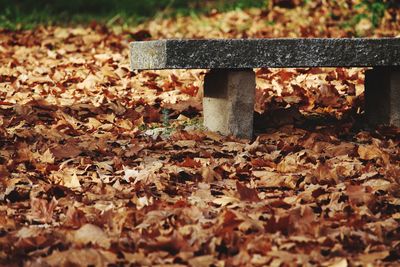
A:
90,233
42,210
247,194
340,263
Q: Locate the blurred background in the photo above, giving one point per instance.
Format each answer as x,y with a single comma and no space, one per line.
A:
20,14
32,12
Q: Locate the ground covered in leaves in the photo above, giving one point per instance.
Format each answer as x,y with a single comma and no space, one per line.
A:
100,165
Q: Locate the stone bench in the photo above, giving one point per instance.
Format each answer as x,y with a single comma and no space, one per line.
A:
230,85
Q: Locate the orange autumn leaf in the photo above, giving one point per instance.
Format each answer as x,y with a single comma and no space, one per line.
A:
190,163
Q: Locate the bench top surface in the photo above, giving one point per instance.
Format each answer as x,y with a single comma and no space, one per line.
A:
260,53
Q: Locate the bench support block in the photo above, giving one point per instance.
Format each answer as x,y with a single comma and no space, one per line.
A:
382,96
228,102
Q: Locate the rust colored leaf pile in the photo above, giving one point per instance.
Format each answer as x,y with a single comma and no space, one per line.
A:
103,166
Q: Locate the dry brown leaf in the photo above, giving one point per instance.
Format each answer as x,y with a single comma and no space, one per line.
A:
90,234
42,210
369,152
247,194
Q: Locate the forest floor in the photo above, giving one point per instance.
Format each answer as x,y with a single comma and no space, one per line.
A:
103,166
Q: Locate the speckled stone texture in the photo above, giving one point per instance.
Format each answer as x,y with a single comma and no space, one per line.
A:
228,103
257,53
382,96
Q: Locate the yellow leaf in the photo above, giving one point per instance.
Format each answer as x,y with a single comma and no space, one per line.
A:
368,152
47,157
340,263
93,123
71,181
225,200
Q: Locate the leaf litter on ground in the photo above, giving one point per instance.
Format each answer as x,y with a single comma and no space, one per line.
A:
101,165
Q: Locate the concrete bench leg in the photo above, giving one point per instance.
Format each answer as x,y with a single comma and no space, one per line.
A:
228,103
382,96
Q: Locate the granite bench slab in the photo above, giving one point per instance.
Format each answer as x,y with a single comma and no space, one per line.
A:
229,86
265,53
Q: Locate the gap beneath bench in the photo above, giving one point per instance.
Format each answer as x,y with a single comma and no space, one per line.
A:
382,96
228,103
